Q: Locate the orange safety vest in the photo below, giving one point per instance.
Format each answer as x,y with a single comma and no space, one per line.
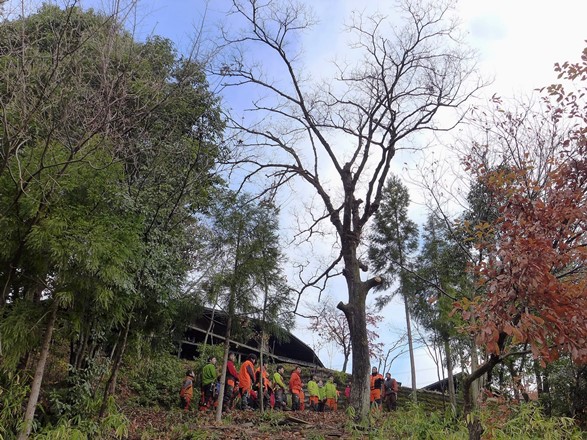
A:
295,383
266,381
245,381
187,389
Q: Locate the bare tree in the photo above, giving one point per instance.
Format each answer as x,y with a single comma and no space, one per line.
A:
348,126
331,325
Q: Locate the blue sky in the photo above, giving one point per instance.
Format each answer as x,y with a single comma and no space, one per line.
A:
518,43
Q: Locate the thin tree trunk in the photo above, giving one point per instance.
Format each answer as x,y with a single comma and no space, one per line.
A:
261,400
439,369
110,387
219,408
538,375
411,349
211,325
546,389
449,368
231,311
474,388
39,373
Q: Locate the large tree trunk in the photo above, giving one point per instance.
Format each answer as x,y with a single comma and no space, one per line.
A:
39,373
110,387
356,316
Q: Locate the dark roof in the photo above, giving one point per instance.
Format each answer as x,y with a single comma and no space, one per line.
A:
288,349
442,385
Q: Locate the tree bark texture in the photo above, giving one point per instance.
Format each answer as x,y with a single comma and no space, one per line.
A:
219,407
110,387
411,350
449,368
39,373
355,312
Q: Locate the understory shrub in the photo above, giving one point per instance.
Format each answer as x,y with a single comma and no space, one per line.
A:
500,422
414,422
156,380
14,389
526,421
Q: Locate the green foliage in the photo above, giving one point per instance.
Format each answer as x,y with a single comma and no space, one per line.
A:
340,379
114,425
108,152
567,389
156,379
14,389
394,236
519,422
415,423
76,401
272,419
246,275
21,327
527,421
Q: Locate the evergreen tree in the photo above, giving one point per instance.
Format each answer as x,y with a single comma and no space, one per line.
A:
393,240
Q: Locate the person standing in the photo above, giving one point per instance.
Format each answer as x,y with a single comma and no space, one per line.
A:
347,393
376,387
208,384
314,393
279,388
391,387
187,390
331,394
295,387
321,396
230,385
246,380
263,385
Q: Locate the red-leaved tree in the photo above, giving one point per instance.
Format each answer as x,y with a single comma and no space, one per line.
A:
532,281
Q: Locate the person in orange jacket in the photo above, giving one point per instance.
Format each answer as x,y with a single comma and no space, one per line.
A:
295,387
265,390
376,387
187,390
246,380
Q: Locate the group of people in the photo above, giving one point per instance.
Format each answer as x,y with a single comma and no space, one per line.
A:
383,390
249,384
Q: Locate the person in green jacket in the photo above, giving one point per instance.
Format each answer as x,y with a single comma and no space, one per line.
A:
314,394
331,394
279,388
321,396
208,384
